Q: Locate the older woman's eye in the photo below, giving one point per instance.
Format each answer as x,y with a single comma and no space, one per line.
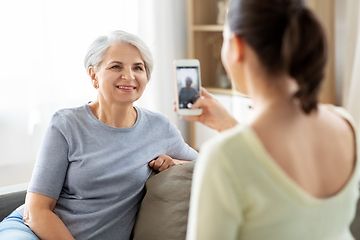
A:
138,68
115,67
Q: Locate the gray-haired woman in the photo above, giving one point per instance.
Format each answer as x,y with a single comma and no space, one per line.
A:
89,178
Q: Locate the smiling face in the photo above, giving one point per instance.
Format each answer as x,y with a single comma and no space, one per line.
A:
121,77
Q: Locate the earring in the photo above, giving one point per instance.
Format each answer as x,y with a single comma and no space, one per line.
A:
96,86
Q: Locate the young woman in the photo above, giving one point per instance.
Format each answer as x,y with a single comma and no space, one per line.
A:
292,172
89,177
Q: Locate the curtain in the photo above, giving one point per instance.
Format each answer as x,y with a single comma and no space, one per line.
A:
351,80
162,25
43,44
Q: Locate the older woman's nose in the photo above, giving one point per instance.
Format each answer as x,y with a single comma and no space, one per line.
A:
128,74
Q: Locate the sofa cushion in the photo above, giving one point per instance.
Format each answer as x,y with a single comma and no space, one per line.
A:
355,226
164,210
11,201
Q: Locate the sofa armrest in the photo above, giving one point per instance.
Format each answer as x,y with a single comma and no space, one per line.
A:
11,198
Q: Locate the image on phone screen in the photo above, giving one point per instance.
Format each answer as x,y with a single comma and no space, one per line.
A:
188,86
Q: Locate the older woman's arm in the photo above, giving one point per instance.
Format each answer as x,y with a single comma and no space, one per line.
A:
41,219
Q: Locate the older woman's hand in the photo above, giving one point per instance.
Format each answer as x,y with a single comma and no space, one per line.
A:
162,163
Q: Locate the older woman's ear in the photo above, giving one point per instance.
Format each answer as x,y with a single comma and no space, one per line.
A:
92,75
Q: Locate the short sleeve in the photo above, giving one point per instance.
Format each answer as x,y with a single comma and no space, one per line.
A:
52,161
178,149
215,205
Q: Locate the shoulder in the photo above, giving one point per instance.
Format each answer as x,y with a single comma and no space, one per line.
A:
71,112
67,116
227,156
235,156
229,145
338,121
340,127
230,138
341,112
153,117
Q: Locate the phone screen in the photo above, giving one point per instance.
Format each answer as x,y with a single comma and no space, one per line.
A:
188,85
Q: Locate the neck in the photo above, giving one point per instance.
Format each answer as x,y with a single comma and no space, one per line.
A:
272,94
114,115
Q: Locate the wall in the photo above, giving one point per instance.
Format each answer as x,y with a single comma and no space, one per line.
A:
340,43
42,49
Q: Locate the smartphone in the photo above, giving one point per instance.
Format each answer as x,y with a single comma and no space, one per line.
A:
187,85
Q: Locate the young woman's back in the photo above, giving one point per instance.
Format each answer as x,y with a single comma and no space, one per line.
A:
277,182
317,151
292,172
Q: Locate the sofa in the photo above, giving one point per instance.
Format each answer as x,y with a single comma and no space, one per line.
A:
164,210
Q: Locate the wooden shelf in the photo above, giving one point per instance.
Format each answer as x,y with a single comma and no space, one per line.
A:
219,91
208,28
232,92
236,93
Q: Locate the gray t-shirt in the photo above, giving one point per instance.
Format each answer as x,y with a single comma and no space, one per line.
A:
188,95
97,172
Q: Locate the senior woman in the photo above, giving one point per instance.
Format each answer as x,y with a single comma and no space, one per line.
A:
89,178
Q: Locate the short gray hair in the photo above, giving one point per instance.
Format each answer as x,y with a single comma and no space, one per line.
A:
96,52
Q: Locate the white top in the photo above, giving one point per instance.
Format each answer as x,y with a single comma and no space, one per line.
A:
239,192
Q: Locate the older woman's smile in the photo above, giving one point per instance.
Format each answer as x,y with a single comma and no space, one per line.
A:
121,77
127,88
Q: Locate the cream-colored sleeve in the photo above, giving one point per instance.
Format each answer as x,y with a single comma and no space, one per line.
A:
215,209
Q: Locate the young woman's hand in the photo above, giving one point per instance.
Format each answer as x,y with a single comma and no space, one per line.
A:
214,115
